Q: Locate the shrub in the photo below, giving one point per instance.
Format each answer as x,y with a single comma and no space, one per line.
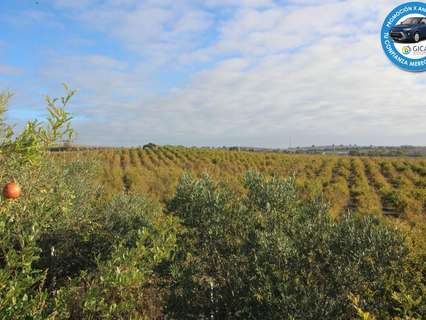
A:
271,254
125,285
23,221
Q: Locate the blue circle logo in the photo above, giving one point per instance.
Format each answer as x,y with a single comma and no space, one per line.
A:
403,36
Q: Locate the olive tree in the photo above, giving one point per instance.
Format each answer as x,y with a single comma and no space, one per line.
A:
272,254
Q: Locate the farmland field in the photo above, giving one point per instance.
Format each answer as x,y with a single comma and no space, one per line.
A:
170,232
394,187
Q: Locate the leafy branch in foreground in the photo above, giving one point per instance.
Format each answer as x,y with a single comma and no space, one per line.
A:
29,145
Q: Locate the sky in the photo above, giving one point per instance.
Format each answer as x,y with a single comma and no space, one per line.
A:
212,72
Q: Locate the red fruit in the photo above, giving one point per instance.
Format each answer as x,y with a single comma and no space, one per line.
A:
12,190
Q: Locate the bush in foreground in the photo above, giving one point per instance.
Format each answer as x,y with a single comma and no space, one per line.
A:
273,255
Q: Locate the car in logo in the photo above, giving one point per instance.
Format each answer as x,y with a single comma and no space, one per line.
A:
411,30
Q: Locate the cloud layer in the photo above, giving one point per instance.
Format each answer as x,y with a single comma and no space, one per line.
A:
229,72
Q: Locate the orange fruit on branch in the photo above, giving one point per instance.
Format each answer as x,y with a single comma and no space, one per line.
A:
12,190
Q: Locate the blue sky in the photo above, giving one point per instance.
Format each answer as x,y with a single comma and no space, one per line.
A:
212,72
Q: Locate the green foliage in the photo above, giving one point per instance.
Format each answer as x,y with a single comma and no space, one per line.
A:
207,259
49,202
23,222
272,253
124,286
58,128
362,315
29,145
4,100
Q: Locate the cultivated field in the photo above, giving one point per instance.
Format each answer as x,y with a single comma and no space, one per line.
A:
391,186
